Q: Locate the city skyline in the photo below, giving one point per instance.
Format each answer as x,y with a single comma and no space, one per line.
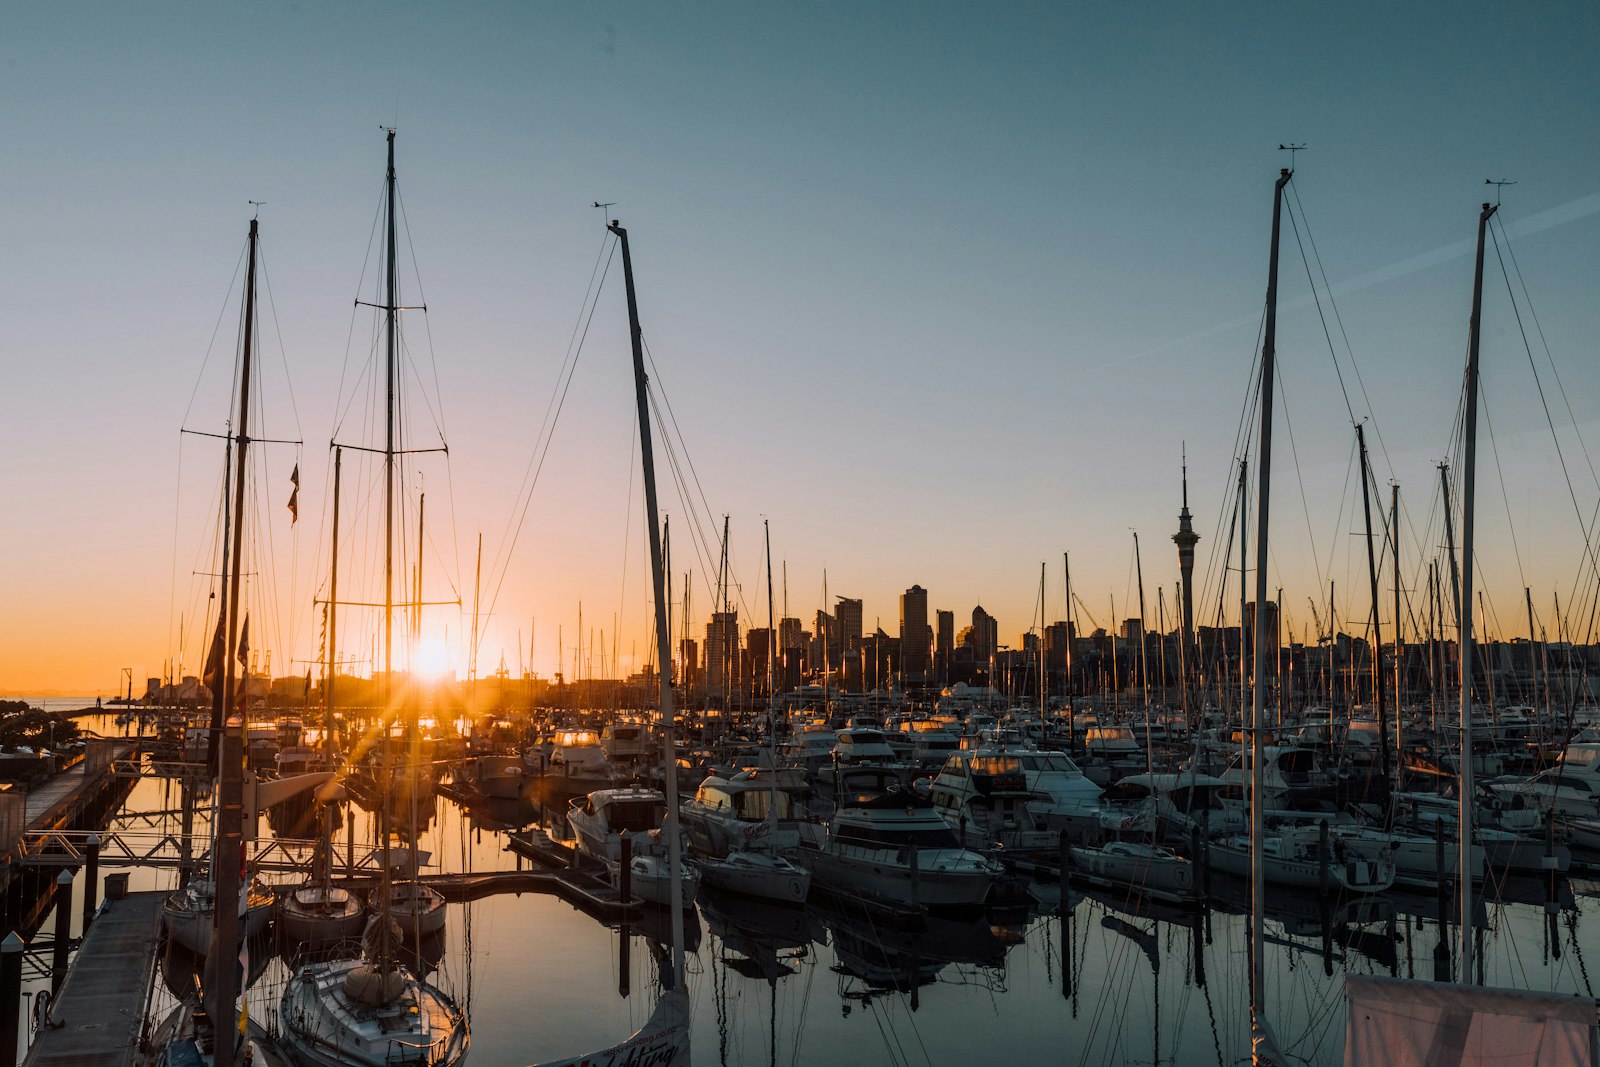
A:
942,297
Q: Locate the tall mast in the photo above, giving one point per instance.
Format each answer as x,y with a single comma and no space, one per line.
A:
1367,489
1066,581
1467,479
1044,688
1244,587
663,633
1258,886
333,616
1144,659
228,852
772,692
391,303
1399,631
330,670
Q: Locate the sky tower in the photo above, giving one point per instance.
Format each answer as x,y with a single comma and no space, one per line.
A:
1186,539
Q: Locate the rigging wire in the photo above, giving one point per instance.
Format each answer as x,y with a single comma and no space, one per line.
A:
553,409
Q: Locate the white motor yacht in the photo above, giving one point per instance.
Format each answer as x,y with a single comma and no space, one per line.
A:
888,843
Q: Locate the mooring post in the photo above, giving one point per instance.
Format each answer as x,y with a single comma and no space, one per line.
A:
91,882
625,873
10,993
63,945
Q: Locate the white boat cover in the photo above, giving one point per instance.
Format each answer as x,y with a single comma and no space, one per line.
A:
663,1041
1403,1023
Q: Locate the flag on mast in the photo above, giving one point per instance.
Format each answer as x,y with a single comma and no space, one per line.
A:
294,496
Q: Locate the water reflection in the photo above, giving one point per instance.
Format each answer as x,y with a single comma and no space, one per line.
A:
1110,977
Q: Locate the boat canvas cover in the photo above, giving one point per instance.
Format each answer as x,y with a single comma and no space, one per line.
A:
1404,1023
663,1041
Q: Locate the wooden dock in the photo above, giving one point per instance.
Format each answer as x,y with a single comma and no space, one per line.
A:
96,1020
584,882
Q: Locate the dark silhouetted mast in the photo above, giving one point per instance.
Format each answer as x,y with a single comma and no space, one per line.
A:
1467,501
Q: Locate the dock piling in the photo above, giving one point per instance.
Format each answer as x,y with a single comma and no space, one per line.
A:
625,871
63,942
91,881
10,993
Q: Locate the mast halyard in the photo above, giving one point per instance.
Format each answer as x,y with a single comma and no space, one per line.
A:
663,631
1470,460
1269,343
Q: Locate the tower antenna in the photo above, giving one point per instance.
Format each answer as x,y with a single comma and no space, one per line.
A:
1292,148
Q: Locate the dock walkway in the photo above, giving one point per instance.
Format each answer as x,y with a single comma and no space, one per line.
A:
43,805
95,1021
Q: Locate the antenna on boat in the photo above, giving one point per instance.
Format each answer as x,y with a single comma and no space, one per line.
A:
604,206
259,204
1292,148
1499,185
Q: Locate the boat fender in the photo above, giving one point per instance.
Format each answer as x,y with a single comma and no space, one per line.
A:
41,1009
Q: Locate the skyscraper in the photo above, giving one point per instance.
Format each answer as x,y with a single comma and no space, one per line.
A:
945,642
722,651
916,639
849,615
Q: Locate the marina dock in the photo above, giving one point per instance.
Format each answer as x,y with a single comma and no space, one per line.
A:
96,1020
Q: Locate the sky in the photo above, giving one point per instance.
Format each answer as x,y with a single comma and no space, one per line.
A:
941,291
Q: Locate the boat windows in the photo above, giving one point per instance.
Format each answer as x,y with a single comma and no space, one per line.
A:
879,837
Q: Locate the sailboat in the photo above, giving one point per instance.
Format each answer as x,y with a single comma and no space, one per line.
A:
1263,1045
663,1041
190,915
1403,1021
205,1032
373,1011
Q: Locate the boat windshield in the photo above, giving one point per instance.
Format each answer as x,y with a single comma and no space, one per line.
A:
752,804
577,738
635,816
1047,761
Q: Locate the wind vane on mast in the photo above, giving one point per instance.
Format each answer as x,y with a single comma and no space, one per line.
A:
1499,185
1292,148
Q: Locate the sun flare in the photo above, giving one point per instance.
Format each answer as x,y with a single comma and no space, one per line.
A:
433,659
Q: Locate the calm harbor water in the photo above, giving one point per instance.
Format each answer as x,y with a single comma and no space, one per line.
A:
1106,980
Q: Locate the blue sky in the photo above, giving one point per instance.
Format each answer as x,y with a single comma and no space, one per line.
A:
938,289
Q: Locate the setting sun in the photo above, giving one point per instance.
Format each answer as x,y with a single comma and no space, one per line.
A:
433,659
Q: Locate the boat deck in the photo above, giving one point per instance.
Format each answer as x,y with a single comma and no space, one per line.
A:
95,1021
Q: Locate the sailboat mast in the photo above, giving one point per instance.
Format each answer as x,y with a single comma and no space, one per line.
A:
1044,687
1399,631
228,853
218,700
772,690
663,633
1244,587
1258,887
1467,500
333,618
391,303
1144,658
1066,581
1367,489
